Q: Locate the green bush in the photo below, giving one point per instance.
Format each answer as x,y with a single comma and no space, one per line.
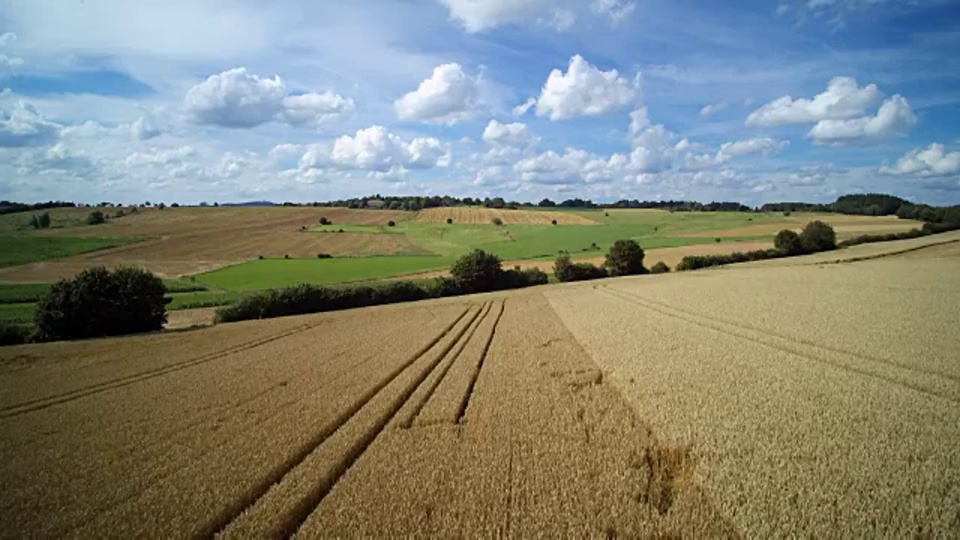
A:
449,221
695,262
97,302
96,218
625,258
41,221
497,221
818,236
788,242
567,270
478,271
660,268
325,221
391,223
12,334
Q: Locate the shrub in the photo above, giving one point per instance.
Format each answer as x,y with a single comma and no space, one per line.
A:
786,213
476,272
567,270
497,221
41,221
553,222
260,257
286,256
339,230
660,268
325,221
788,242
324,256
695,262
717,240
625,258
449,221
119,214
12,334
96,218
818,236
97,302
391,223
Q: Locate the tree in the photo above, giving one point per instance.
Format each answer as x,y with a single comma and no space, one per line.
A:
97,302
96,218
660,268
478,271
325,221
44,220
391,223
818,236
553,222
788,242
449,221
625,258
34,221
567,270
546,203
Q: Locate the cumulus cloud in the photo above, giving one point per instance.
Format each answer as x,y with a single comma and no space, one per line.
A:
448,96
932,161
25,126
479,15
840,114
894,117
57,159
573,166
516,134
842,100
160,156
238,99
376,149
583,90
728,151
314,108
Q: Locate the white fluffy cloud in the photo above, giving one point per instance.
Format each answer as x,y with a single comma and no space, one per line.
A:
843,99
894,117
571,167
160,156
25,126
479,15
931,161
840,114
238,99
617,10
583,90
516,134
448,96
376,149
728,151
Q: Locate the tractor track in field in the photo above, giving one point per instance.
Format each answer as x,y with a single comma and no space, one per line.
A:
298,501
465,402
66,397
813,352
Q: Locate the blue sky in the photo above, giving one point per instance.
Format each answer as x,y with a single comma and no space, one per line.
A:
228,100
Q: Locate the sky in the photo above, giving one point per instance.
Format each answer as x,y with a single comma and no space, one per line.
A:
305,100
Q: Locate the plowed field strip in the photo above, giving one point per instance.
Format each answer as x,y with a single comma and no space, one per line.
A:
25,407
465,402
423,394
286,503
789,346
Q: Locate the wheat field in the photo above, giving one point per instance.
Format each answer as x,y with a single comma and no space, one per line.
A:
812,399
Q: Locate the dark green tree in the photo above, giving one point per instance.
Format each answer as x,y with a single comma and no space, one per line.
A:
625,258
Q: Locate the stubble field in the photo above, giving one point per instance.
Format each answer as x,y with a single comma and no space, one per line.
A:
800,400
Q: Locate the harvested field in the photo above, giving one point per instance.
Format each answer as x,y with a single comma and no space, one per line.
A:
477,215
845,226
189,318
805,400
191,240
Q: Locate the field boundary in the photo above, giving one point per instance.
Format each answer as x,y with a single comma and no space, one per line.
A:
886,254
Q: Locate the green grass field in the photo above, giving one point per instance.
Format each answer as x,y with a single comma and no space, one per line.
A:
23,249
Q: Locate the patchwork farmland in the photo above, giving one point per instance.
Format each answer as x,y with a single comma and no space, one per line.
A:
649,406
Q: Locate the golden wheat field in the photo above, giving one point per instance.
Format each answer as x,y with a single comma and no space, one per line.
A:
473,214
809,399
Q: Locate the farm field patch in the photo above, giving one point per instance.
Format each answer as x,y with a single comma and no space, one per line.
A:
643,406
479,215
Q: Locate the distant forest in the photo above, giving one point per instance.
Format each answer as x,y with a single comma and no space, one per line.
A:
866,204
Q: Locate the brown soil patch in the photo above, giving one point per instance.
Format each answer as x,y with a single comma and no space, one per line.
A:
189,318
192,240
476,215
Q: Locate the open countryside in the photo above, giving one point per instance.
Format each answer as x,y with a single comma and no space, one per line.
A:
558,410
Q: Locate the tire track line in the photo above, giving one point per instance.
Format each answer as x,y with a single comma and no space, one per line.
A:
465,402
43,403
771,343
812,344
444,369
298,500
